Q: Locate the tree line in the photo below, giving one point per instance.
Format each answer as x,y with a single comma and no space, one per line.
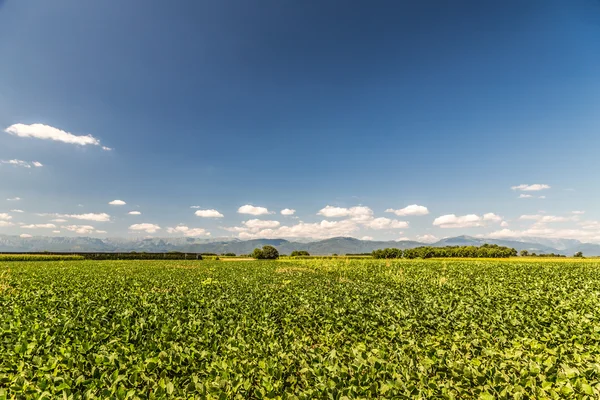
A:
484,251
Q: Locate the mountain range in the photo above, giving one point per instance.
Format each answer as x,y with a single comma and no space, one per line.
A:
337,245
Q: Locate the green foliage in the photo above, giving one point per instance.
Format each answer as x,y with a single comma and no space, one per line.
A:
524,253
484,251
270,253
579,254
299,253
387,253
301,329
266,253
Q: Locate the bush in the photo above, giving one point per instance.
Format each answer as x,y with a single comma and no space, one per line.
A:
299,253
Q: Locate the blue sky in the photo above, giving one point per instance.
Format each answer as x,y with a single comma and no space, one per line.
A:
300,105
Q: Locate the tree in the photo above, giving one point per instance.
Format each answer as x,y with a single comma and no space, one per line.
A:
258,254
524,253
266,253
270,252
578,254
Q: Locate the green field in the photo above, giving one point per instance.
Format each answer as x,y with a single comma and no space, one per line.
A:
303,329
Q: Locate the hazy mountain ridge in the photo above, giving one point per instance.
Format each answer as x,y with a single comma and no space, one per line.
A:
338,245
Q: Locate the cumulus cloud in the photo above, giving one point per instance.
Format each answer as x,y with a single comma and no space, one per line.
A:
5,217
288,211
453,221
25,236
385,223
525,196
39,226
117,203
358,213
320,230
546,218
413,209
531,188
96,217
504,224
260,224
208,214
17,211
252,210
46,132
13,199
491,217
427,238
80,229
188,232
21,163
148,228
134,213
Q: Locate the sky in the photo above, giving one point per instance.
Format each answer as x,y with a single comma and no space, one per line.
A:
379,120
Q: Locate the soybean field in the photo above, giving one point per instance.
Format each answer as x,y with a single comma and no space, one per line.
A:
300,329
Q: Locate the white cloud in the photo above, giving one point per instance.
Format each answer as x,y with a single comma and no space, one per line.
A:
427,238
358,213
542,197
134,213
100,231
252,210
320,230
13,199
106,148
46,132
188,232
504,224
80,229
546,218
149,228
96,217
39,226
58,220
491,217
531,188
17,211
288,211
385,223
578,212
5,223
55,231
525,196
260,224
366,238
21,163
452,221
413,209
5,217
208,214
25,236
117,203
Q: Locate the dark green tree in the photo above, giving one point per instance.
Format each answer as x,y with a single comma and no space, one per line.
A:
578,254
524,253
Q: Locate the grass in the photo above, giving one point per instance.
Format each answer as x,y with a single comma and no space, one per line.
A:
300,329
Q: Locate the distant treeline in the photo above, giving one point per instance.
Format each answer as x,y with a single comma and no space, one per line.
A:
105,256
484,251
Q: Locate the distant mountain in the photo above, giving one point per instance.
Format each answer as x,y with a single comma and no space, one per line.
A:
337,245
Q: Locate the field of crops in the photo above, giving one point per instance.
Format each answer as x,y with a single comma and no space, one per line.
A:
301,329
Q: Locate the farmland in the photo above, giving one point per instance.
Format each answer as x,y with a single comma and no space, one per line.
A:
361,328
